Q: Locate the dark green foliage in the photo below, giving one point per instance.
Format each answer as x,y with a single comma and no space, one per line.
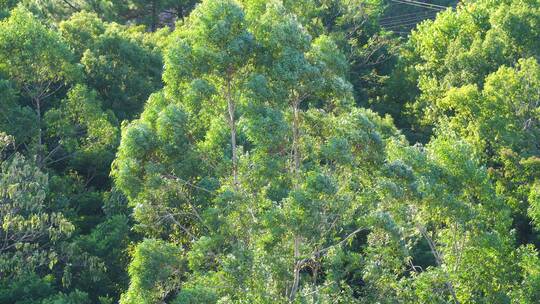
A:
27,289
118,62
152,14
195,296
75,297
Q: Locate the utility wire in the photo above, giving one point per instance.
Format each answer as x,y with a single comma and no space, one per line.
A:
403,34
405,15
421,4
427,14
425,4
418,19
405,20
404,24
417,5
409,20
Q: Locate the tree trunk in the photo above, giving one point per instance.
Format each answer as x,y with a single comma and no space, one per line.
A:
438,260
296,269
296,172
154,17
296,141
39,152
232,124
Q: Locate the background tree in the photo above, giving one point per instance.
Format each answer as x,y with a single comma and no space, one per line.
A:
471,82
38,82
73,141
152,14
30,231
121,63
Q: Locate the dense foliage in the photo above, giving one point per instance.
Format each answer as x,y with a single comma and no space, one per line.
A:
269,151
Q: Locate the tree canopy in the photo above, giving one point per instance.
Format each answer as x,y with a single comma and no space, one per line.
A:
269,151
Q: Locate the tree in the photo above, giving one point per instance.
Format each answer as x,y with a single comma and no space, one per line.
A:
472,73
465,224
214,50
159,170
462,47
226,159
38,82
120,62
30,232
354,27
166,159
73,142
155,13
155,271
151,14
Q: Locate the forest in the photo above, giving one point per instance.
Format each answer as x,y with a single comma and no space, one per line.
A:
269,151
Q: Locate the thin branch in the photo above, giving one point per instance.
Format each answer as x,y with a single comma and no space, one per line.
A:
173,177
72,5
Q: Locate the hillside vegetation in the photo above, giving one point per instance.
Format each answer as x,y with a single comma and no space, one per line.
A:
269,151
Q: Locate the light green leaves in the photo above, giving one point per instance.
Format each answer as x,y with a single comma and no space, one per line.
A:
154,271
36,70
28,227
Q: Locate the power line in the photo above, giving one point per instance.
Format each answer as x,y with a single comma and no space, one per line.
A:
404,24
404,20
405,15
421,4
425,4
402,33
409,20
407,23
